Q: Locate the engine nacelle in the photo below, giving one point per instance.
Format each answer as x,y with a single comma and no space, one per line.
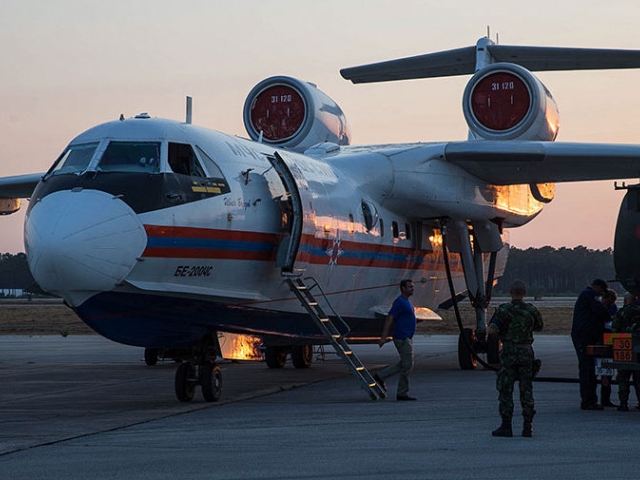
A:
9,205
289,113
504,101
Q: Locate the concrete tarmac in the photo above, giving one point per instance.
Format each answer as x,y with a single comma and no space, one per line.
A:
83,407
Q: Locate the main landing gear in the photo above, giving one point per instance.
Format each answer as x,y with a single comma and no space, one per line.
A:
472,244
301,356
200,371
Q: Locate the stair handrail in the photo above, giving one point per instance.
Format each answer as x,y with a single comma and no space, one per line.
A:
324,295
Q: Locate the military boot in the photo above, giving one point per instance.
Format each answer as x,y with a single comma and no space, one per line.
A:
623,407
504,430
527,426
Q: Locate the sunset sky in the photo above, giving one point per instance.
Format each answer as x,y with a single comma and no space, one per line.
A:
70,64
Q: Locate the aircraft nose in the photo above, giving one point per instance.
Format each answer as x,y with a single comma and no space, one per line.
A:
82,242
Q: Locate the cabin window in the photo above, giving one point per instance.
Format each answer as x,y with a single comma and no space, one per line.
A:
395,229
74,159
407,229
352,225
381,228
370,215
183,160
131,157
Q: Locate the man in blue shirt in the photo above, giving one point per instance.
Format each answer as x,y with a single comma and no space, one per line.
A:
402,318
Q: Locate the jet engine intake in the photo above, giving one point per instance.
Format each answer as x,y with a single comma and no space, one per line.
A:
287,112
504,101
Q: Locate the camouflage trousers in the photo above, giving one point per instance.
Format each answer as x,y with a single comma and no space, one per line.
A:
517,365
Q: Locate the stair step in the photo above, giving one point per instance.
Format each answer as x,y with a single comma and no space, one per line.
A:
336,339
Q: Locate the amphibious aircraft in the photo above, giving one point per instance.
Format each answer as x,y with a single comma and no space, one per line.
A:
168,236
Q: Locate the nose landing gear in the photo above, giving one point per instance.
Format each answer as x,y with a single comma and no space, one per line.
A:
200,371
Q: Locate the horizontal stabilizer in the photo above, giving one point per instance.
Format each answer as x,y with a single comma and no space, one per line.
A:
450,63
462,61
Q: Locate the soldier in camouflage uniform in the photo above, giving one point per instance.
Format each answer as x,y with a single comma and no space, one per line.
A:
627,320
514,323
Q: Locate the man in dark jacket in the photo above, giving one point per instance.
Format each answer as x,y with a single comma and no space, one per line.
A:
589,317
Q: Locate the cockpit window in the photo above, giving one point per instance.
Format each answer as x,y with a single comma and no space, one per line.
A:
131,157
74,159
212,168
183,160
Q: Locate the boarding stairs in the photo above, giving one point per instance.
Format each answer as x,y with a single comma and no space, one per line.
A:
333,335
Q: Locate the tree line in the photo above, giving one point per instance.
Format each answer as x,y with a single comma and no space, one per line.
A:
546,271
557,271
14,273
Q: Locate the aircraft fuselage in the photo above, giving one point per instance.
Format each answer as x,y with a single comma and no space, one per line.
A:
157,232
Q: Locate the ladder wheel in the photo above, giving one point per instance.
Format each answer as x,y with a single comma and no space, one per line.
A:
275,357
302,356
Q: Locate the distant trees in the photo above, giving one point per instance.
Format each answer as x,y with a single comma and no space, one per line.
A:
545,271
557,271
14,273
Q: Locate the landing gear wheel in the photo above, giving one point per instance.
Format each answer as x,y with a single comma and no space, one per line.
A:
302,356
185,382
275,357
493,350
211,382
151,356
466,358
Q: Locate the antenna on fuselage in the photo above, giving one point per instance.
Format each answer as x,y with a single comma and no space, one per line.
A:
189,109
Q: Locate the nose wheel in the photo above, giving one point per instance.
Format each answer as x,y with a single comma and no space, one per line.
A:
189,376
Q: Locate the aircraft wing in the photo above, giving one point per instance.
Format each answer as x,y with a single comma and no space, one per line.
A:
462,61
19,186
521,162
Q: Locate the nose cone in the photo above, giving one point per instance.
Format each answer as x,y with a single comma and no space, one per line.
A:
83,242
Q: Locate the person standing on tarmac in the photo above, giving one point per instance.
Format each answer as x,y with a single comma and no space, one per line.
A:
589,318
609,301
626,320
514,323
402,319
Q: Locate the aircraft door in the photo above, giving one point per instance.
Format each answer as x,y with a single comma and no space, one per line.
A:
293,253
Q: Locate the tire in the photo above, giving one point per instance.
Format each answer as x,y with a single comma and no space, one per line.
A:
211,382
466,359
151,356
302,356
275,357
184,385
493,350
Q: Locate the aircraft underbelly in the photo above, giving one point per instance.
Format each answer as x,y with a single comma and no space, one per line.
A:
178,318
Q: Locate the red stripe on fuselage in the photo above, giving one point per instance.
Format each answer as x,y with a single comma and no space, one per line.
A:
312,250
